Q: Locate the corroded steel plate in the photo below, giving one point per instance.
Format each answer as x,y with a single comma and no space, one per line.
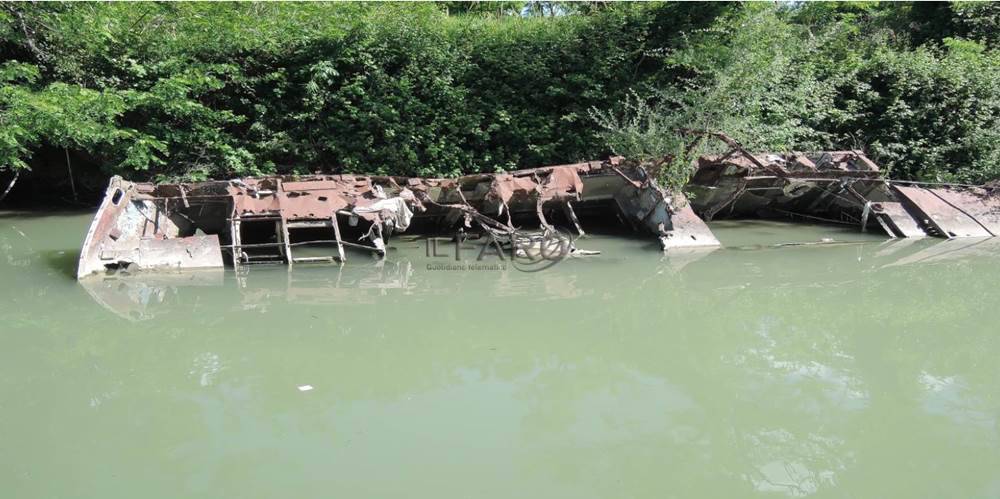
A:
948,219
900,220
984,208
689,230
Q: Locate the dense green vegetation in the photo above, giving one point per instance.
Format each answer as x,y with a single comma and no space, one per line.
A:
197,90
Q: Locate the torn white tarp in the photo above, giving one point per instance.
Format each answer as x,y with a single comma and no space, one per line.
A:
393,211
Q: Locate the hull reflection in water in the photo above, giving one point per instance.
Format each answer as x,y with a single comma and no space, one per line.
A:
139,297
143,296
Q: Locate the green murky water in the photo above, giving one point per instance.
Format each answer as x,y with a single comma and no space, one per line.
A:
864,369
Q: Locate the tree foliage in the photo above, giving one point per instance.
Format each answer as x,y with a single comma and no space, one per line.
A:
199,90
832,75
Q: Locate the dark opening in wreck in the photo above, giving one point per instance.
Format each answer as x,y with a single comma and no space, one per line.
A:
265,219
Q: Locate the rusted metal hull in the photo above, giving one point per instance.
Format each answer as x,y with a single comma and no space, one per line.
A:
248,221
951,212
136,232
265,219
842,187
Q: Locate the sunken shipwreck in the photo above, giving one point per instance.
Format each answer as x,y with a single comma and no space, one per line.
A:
264,220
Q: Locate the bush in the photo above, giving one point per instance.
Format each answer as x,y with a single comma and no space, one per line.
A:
930,113
825,76
199,90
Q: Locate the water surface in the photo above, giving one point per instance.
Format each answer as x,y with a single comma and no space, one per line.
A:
865,368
